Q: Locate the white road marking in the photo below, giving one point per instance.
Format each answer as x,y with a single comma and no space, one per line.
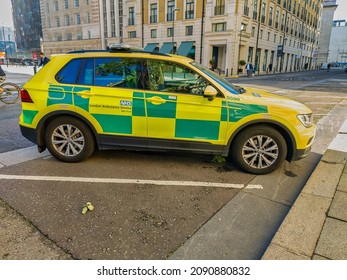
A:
127,181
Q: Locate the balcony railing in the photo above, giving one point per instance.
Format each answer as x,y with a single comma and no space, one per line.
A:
219,10
131,21
153,19
189,14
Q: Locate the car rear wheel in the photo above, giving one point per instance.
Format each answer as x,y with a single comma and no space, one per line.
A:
259,149
69,139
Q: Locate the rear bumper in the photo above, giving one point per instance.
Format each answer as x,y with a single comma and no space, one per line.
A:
29,133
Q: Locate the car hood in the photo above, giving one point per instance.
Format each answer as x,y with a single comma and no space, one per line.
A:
265,98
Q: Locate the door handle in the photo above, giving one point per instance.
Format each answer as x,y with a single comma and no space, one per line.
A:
156,100
85,93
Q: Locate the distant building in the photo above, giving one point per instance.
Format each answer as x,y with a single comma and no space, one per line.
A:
27,23
7,41
329,7
338,42
70,25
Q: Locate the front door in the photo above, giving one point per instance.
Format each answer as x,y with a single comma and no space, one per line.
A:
179,117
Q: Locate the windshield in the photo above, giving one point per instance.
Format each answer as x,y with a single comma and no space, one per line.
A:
220,80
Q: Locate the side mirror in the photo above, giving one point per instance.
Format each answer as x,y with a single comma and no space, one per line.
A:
210,92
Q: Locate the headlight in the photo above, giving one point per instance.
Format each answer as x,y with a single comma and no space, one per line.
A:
306,119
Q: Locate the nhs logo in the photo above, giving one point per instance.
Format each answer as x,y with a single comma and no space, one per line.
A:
126,103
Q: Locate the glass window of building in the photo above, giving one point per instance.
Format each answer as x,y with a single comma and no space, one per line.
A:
79,36
57,22
170,10
170,32
68,36
77,3
67,20
56,6
66,4
190,9
132,34
78,19
189,30
253,31
154,13
131,16
219,9
217,27
153,33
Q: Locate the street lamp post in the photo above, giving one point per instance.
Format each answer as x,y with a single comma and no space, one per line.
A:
239,54
173,27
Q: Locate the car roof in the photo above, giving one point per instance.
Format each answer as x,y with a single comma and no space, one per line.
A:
136,53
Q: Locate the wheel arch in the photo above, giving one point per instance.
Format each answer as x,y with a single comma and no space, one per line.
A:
42,125
285,132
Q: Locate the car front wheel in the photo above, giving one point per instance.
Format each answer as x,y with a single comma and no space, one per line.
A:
259,149
69,139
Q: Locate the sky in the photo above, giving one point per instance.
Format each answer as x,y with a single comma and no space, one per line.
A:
6,12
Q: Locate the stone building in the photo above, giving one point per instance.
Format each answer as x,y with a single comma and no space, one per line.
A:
70,25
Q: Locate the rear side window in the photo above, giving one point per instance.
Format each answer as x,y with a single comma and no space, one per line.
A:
69,73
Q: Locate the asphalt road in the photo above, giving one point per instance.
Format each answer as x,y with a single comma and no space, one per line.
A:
142,220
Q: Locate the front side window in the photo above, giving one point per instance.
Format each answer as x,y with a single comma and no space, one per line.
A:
171,77
68,75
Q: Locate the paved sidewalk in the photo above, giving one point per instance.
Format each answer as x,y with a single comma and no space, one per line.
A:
316,226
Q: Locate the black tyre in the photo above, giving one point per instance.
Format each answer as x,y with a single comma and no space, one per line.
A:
10,94
69,139
259,149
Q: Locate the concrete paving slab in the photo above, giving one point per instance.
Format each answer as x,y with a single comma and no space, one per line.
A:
343,181
319,258
332,243
324,180
241,230
21,155
302,226
332,156
275,252
343,128
338,207
339,143
287,181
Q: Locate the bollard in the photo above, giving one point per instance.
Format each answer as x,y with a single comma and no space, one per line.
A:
231,71
226,74
35,70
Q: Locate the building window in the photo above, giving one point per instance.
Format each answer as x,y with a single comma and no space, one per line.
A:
261,34
56,6
217,27
131,16
170,10
219,9
255,9
132,34
79,36
270,15
78,19
263,12
88,17
58,37
190,9
153,33
246,8
253,31
268,36
189,30
68,37
67,20
154,13
57,22
89,34
77,3
275,37
277,19
170,32
66,4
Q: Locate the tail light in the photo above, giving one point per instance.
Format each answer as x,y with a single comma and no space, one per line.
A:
25,96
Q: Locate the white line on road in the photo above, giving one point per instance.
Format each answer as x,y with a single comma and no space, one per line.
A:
127,181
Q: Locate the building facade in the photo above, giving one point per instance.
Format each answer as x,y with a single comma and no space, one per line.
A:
338,42
27,24
70,25
274,35
329,7
7,41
